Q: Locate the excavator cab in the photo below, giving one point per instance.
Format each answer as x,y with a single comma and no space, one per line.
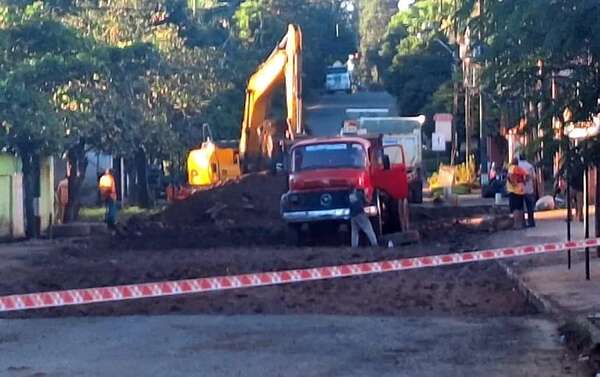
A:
213,162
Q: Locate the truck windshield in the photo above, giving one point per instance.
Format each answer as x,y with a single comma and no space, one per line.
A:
329,156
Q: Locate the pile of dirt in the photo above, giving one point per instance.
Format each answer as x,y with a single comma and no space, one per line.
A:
239,212
471,289
251,200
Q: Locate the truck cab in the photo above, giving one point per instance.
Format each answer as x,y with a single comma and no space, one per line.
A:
323,171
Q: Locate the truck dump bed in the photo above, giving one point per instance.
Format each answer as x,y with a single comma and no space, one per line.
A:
398,130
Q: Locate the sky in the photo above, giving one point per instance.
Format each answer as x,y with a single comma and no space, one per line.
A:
405,4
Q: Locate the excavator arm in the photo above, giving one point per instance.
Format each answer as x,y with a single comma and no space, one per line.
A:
259,136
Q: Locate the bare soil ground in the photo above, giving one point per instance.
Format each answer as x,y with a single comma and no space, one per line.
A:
236,228
475,289
240,212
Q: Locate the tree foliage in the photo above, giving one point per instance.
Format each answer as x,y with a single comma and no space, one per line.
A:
373,19
415,65
138,78
259,24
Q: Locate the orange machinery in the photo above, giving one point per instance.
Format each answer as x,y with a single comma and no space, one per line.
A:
261,138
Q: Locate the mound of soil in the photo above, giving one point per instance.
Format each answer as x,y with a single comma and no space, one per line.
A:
239,212
471,289
248,201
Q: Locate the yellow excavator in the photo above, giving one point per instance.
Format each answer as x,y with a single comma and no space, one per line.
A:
213,162
262,139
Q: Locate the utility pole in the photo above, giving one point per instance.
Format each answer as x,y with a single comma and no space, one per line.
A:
467,117
482,130
454,92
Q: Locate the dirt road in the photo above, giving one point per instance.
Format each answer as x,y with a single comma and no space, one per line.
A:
476,289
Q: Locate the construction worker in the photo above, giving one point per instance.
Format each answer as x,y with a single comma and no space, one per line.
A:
359,219
515,186
108,193
529,197
62,199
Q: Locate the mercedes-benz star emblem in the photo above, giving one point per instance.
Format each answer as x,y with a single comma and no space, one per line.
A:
326,200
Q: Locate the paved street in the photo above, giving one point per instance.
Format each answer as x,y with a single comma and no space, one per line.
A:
280,346
566,290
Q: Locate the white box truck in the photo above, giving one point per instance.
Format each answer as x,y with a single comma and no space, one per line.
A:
405,131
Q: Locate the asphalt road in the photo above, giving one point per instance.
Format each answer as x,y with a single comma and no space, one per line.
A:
324,118
280,346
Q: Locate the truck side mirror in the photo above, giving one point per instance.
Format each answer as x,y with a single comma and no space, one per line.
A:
386,162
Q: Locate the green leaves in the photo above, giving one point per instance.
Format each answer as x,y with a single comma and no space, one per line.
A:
137,74
28,121
259,24
415,65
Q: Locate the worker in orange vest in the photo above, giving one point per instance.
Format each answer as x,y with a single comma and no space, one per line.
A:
108,194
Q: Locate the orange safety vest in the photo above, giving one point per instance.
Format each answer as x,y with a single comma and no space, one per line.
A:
107,187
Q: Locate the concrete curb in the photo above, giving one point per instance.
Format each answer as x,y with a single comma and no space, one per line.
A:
545,306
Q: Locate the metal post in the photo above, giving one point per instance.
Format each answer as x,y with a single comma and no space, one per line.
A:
586,219
597,206
568,218
482,139
482,136
454,120
467,119
554,95
455,90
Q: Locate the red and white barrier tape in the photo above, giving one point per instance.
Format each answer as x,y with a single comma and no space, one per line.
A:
221,283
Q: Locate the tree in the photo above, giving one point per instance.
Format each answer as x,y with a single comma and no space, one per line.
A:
415,66
137,78
259,24
44,54
373,16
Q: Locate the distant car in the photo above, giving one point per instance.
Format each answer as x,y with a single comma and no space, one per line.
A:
338,79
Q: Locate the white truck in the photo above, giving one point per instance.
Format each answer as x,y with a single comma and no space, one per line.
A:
405,131
338,79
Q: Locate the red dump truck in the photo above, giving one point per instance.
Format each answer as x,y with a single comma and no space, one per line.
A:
323,171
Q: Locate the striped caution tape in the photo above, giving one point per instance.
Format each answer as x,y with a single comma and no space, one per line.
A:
221,283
